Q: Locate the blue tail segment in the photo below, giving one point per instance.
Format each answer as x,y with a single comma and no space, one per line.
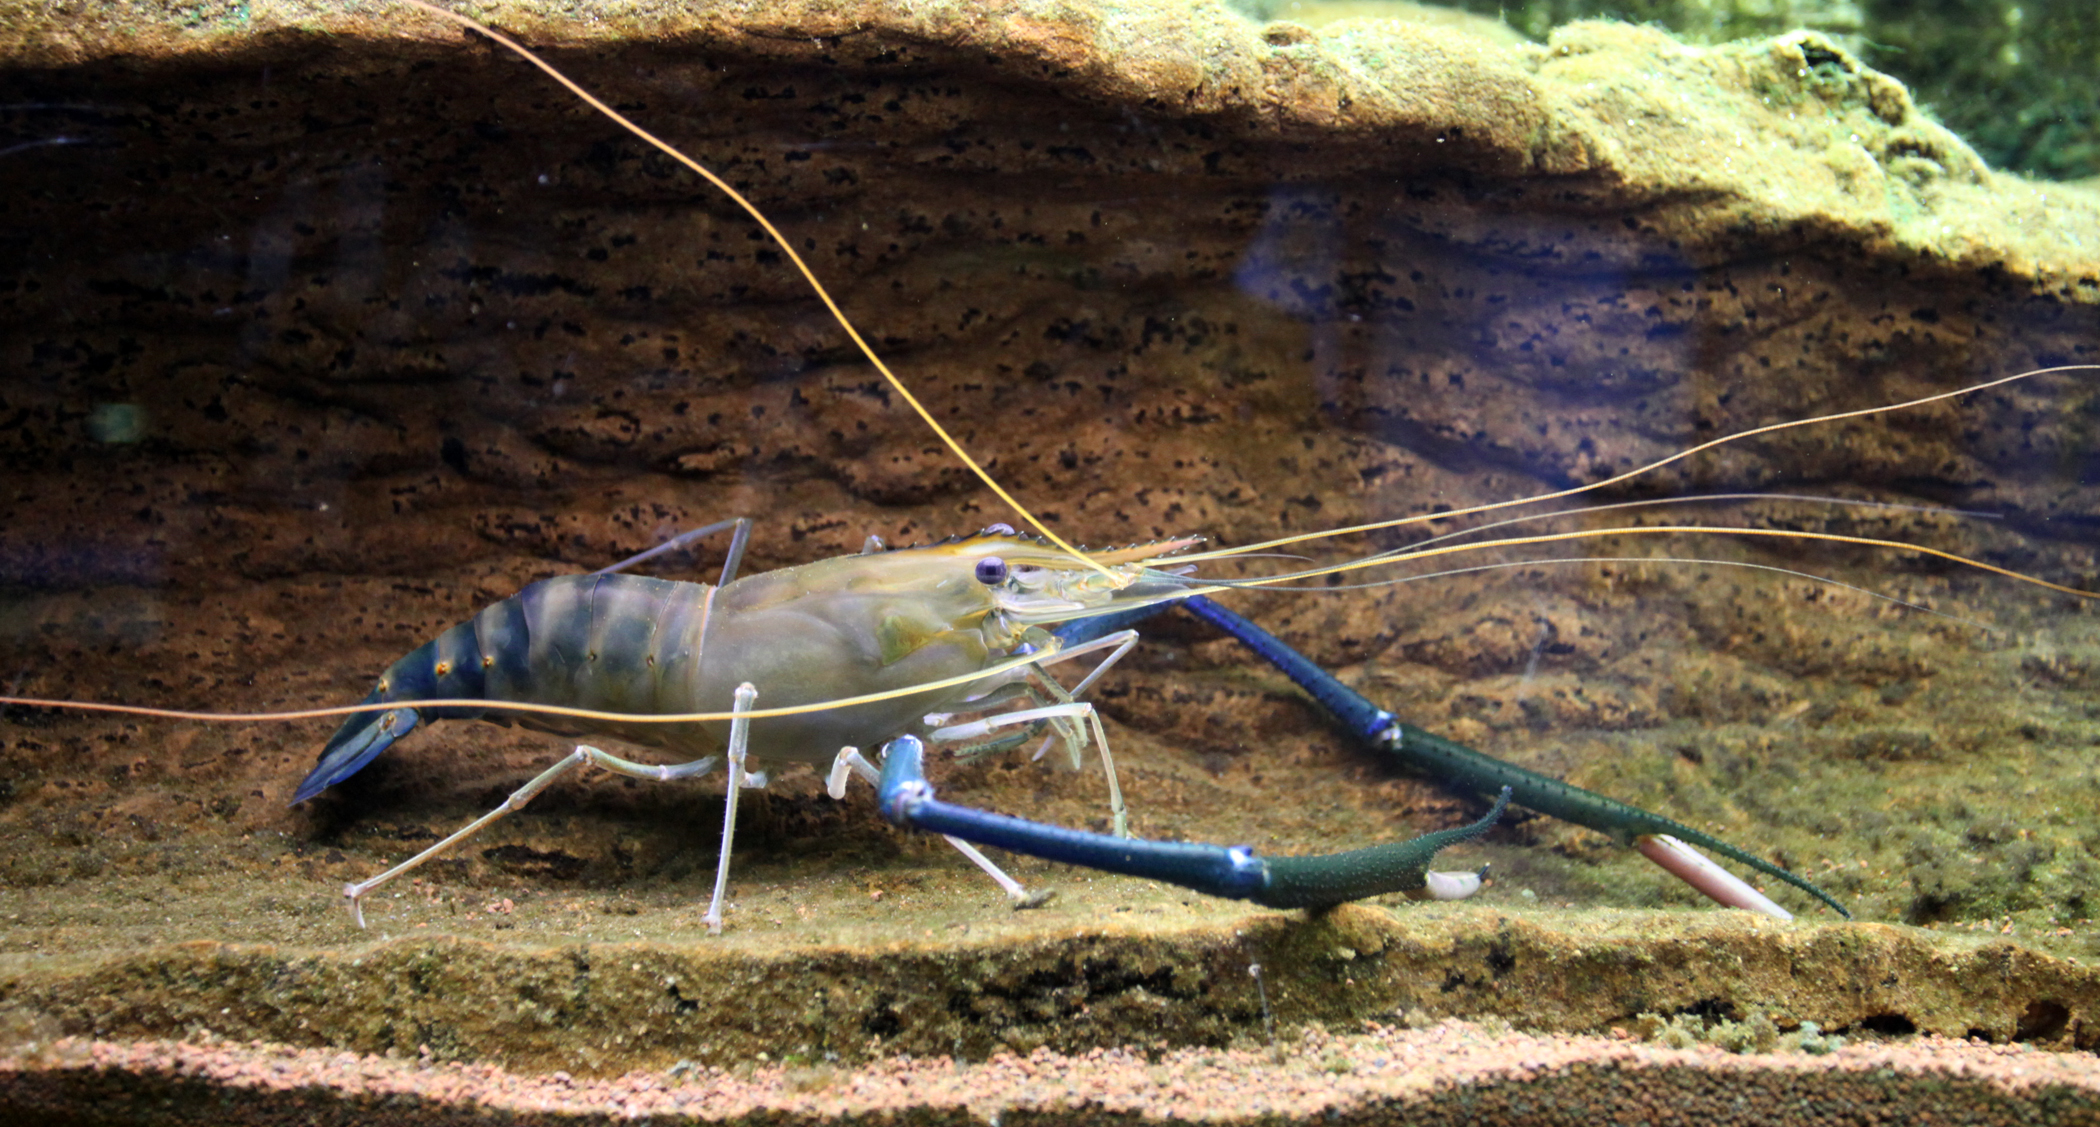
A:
449,665
1455,764
1232,872
361,738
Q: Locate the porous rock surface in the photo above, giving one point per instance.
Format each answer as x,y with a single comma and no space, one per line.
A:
329,326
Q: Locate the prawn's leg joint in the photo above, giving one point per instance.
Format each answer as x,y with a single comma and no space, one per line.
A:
1234,872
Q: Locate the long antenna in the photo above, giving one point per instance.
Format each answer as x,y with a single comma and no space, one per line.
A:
1657,464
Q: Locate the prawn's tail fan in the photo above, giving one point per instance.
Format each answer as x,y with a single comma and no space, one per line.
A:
359,741
450,665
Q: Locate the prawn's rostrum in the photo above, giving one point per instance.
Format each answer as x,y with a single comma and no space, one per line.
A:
1032,582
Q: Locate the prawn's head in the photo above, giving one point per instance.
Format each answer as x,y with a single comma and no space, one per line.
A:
1032,583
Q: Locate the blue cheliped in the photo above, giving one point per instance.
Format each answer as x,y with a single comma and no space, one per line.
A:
1444,760
1230,871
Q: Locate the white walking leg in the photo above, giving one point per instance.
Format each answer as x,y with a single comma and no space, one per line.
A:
583,754
739,739
1123,640
1079,711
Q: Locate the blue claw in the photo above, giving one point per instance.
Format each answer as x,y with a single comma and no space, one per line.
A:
1455,764
360,740
1232,872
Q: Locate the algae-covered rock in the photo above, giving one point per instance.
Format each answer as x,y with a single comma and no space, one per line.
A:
2013,77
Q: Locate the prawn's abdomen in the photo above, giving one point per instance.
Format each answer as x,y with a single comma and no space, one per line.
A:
611,643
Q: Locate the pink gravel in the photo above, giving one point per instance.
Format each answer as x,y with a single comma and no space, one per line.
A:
1380,1074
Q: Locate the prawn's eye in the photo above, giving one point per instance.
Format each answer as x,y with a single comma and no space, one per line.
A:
991,571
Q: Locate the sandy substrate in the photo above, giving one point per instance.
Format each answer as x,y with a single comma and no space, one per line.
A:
1382,1074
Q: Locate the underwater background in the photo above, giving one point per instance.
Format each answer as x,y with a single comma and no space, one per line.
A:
325,326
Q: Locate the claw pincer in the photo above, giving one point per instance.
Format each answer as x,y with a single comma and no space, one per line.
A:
1662,840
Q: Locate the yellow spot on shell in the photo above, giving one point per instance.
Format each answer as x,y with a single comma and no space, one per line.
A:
487,662
900,637
443,668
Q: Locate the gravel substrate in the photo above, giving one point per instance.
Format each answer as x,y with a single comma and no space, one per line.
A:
1383,1074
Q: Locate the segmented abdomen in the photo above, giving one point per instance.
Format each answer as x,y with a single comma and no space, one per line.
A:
613,643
